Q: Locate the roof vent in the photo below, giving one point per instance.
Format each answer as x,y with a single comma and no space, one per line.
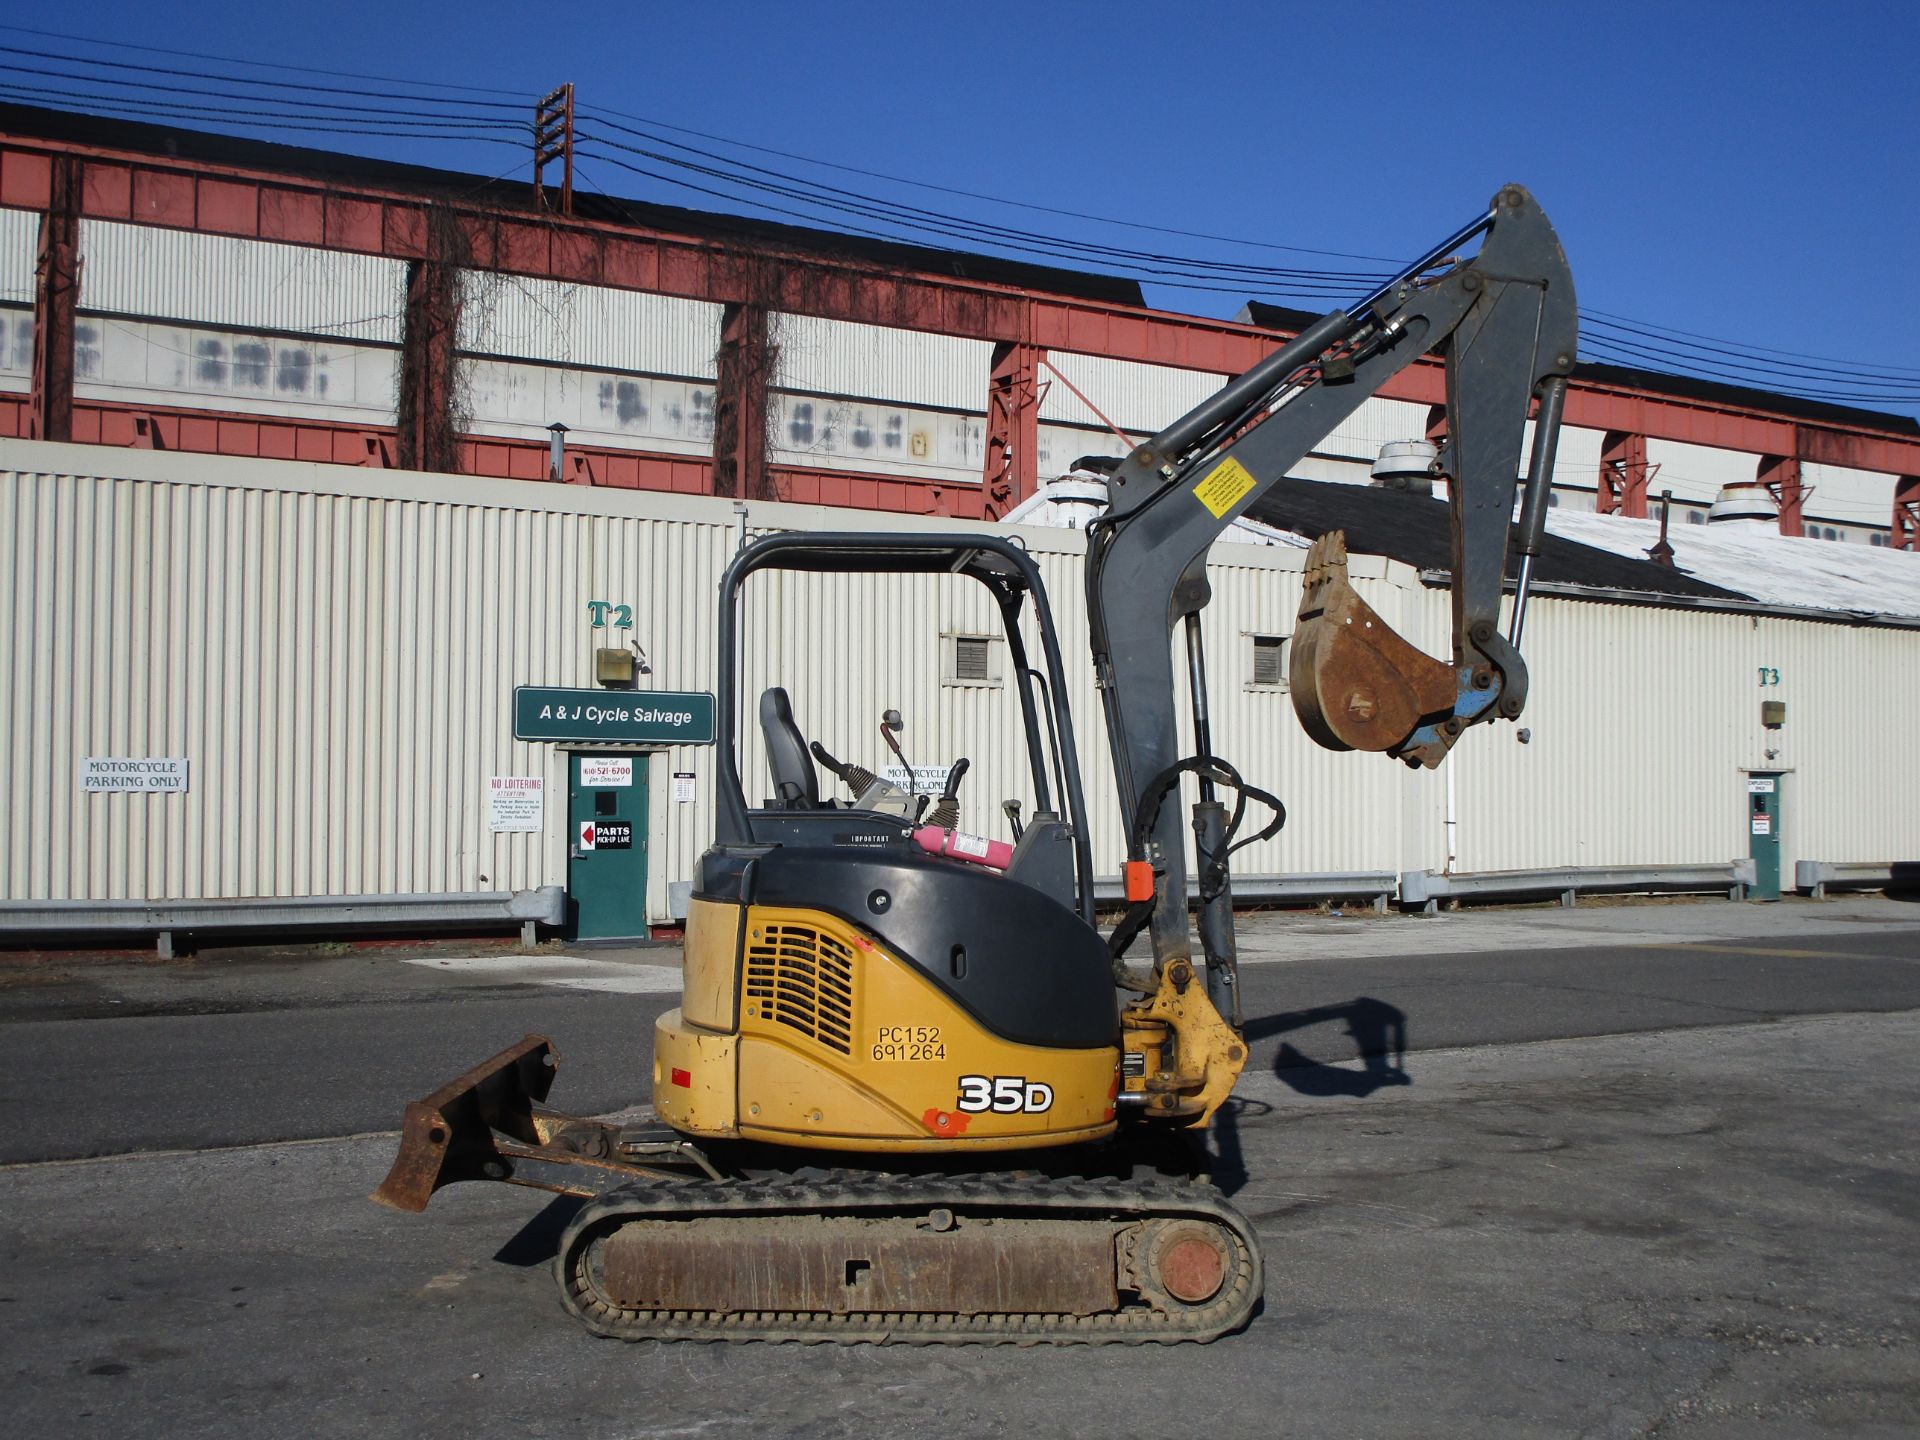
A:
1407,465
1745,500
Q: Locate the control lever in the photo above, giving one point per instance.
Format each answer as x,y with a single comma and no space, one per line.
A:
1011,808
890,725
946,815
941,835
857,777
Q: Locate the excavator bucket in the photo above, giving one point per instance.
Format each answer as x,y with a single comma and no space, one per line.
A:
1356,684
449,1136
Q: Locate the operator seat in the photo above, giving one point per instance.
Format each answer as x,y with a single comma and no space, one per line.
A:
795,781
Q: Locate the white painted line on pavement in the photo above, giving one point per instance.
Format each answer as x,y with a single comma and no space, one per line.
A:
640,980
573,972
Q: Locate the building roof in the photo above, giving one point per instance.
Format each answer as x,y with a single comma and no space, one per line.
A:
1417,530
170,142
1752,558
1413,529
1659,382
1744,563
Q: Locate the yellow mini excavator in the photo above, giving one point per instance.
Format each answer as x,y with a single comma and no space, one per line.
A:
912,1091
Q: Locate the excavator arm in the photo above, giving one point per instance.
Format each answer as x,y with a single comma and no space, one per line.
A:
1504,323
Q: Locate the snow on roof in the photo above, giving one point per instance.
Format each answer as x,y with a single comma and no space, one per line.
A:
1745,557
1071,501
1752,558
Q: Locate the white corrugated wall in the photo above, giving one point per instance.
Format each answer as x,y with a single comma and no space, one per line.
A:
146,271
1696,472
516,317
334,650
1645,723
335,659
19,244
876,362
1141,399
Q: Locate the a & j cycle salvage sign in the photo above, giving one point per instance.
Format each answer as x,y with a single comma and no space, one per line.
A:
613,717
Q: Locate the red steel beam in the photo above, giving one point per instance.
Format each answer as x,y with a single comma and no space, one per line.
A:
1622,487
1781,475
1906,513
233,200
743,372
427,436
56,296
1012,468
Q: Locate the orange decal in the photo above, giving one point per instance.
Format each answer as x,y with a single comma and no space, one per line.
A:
939,1122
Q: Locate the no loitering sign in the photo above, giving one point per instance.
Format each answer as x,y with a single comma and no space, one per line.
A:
140,774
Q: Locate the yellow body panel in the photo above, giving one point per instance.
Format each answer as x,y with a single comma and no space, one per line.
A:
843,1045
694,1076
711,970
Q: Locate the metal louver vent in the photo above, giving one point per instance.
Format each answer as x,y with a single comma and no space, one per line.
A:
1268,651
971,658
803,979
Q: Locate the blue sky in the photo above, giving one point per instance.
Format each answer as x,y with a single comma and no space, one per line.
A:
1745,171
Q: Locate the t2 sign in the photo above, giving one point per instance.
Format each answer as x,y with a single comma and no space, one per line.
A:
599,610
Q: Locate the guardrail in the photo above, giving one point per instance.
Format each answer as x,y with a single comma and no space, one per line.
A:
1424,889
164,919
1376,887
1816,877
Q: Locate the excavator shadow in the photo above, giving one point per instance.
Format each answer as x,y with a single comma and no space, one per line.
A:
1226,1161
1378,1031
538,1241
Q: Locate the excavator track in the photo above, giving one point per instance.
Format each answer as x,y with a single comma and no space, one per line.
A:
850,1259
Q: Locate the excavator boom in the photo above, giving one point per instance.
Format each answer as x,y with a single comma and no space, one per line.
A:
1504,324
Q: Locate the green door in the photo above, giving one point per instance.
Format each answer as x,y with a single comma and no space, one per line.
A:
607,844
1763,825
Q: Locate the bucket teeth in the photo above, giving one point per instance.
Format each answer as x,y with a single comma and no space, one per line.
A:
1356,684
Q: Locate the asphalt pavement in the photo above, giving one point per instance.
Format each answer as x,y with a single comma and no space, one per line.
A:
1620,1171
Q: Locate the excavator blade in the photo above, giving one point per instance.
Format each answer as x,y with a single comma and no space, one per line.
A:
449,1136
1356,684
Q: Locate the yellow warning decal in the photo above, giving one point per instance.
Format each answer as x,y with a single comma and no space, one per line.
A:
1226,486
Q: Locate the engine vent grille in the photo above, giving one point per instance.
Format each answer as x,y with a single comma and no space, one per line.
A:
803,979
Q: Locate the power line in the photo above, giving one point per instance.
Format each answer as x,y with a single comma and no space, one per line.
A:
1345,280
1736,367
225,95
1637,357
1170,276
134,111
1659,331
209,75
977,236
989,199
255,64
1709,357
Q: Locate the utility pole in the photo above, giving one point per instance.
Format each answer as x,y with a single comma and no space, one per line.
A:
553,140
